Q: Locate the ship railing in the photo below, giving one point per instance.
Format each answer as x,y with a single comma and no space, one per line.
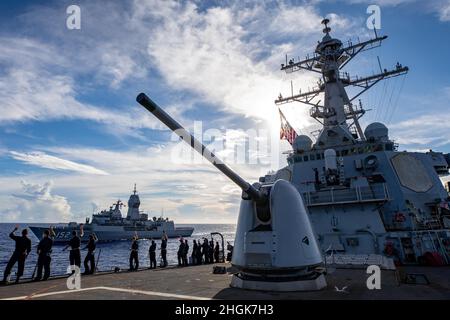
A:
373,193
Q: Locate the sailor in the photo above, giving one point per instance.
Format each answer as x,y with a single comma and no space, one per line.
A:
230,251
198,253
164,250
44,251
21,251
74,253
211,251
90,256
180,253
185,253
217,252
205,249
152,254
134,256
194,252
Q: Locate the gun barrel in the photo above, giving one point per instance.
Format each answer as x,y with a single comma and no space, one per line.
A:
173,125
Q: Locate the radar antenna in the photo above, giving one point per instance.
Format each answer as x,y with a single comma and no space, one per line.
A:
331,56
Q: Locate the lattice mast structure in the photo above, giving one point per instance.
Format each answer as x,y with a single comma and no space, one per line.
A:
337,113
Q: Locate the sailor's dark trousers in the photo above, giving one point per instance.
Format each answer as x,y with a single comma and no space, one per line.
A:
152,259
180,259
16,257
44,260
75,257
164,257
89,259
134,258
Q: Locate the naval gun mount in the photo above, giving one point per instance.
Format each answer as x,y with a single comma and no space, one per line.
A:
275,248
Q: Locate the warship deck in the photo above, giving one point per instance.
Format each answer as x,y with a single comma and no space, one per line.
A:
199,283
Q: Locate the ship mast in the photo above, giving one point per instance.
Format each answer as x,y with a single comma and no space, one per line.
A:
338,115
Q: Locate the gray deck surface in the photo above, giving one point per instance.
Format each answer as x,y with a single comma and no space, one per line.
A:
198,282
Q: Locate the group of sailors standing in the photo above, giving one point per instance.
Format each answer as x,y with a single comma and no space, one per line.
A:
44,251
134,253
205,252
75,251
202,253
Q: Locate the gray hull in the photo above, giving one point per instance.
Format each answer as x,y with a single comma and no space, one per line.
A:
63,234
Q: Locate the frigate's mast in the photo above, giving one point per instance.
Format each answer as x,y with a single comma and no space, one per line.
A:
337,112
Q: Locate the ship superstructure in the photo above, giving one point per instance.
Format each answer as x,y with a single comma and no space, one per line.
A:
110,225
364,196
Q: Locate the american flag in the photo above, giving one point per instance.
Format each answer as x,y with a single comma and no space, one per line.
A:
286,131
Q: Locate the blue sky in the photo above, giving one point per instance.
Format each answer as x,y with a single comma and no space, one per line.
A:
72,138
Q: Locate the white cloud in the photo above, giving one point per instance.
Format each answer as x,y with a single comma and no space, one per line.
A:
223,54
187,192
32,88
416,131
35,203
444,11
424,129
43,160
220,53
117,66
106,47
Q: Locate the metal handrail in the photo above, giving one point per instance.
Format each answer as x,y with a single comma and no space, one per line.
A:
375,192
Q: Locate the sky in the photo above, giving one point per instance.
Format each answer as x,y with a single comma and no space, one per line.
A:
73,139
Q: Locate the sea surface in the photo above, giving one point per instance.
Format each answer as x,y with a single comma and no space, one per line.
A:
112,254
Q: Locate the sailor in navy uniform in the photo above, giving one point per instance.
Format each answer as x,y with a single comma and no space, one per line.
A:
185,253
90,256
164,249
211,252
152,253
198,253
74,253
205,249
194,252
180,253
134,257
23,248
217,252
44,251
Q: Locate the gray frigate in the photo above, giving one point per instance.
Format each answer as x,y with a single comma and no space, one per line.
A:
110,225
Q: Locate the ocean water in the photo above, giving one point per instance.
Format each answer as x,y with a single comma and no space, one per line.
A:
113,254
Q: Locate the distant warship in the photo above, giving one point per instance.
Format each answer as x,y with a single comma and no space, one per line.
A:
364,196
109,225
